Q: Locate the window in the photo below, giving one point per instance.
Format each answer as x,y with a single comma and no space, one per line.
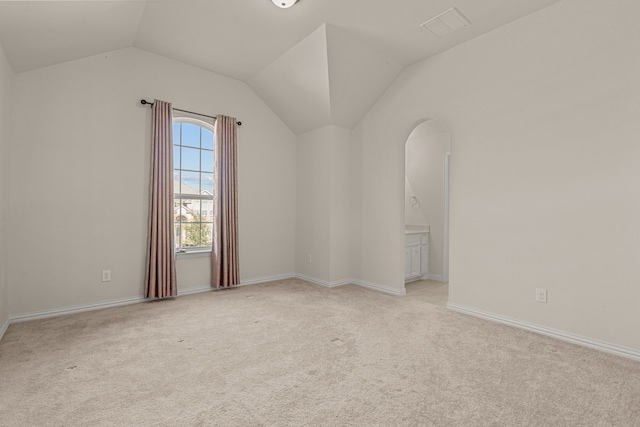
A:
193,184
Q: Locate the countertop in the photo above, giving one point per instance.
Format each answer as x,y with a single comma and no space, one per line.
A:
416,229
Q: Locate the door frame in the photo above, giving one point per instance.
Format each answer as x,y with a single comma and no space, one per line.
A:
445,249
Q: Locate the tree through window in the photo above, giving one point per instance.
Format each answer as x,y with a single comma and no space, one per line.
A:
193,183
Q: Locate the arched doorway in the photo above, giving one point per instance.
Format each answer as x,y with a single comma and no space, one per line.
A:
426,203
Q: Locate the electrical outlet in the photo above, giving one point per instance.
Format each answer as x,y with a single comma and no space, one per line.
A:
541,295
106,275
309,259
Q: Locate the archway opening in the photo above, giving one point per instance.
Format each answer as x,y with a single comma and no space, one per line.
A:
426,205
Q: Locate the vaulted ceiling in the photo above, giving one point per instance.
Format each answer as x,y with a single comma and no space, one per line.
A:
318,62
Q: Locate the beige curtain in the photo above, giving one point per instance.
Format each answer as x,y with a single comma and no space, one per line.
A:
160,277
224,249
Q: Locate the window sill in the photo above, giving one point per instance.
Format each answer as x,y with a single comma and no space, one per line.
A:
194,254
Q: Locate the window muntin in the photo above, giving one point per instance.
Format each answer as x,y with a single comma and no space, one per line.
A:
193,158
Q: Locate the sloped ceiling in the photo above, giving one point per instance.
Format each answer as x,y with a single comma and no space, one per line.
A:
358,75
254,41
296,85
327,78
35,34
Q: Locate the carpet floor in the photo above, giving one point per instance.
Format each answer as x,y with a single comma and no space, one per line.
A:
290,353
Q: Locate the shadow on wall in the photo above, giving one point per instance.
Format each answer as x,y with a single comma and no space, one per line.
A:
426,164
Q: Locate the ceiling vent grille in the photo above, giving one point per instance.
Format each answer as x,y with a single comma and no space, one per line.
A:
446,23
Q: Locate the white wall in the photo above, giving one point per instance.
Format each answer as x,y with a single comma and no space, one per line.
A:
5,152
356,205
425,151
323,205
413,214
545,169
340,254
80,168
313,204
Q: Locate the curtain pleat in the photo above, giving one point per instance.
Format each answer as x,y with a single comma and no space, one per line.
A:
160,277
224,250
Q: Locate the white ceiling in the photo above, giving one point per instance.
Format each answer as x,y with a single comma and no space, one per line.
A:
244,38
328,78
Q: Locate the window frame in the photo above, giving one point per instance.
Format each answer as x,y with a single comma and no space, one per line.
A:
178,195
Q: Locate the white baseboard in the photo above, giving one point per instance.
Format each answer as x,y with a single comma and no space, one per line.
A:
336,283
266,279
73,309
3,329
553,333
322,282
426,277
136,299
246,282
377,287
195,290
119,302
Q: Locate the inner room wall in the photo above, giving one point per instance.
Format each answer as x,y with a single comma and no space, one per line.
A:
323,224
545,169
5,152
313,205
341,226
79,195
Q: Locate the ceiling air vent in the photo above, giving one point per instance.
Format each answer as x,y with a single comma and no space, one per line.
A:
446,23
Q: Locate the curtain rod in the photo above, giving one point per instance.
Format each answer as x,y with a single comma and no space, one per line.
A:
145,102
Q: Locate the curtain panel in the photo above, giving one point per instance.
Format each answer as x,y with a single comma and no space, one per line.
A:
160,276
224,249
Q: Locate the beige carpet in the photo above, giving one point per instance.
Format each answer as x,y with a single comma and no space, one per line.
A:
291,353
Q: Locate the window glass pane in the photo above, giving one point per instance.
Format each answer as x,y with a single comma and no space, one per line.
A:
207,139
207,183
207,161
190,158
176,133
176,210
189,210
176,157
191,234
178,240
189,183
193,174
190,135
197,206
207,232
206,212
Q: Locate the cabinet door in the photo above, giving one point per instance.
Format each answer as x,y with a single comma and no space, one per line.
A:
424,259
407,263
415,261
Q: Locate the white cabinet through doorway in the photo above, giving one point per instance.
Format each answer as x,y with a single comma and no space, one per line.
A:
416,256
